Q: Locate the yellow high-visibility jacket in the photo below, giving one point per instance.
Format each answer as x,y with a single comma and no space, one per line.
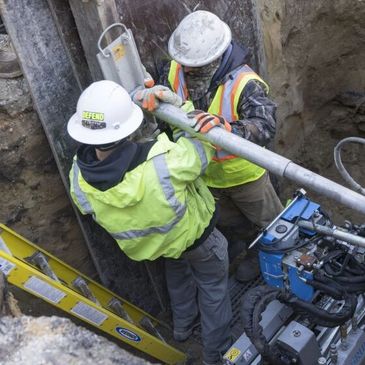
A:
160,207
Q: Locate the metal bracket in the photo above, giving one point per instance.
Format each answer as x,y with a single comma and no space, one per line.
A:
124,35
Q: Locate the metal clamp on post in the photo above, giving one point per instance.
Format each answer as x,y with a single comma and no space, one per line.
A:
120,61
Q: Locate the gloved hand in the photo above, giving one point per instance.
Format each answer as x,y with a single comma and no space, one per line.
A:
206,121
151,97
148,80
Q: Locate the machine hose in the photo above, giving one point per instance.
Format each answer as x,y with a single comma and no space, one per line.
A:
257,299
341,168
254,304
346,270
322,316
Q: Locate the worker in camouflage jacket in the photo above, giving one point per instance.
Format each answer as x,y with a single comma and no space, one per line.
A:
209,73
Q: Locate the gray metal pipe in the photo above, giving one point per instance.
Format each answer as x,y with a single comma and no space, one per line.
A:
333,232
269,160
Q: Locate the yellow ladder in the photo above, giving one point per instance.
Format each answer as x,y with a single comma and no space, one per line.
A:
43,275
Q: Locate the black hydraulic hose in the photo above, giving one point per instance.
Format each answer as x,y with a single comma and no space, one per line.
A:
346,273
351,279
328,289
354,271
332,255
350,287
343,265
254,304
333,319
334,289
257,299
358,265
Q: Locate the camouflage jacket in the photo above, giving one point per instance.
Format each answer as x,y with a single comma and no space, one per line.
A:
256,111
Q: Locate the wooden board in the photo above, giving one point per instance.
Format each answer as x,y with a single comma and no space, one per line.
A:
91,19
65,23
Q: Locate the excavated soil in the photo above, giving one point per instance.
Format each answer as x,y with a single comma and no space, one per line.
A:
315,53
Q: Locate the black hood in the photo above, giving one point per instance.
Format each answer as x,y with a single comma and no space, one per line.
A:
233,57
105,174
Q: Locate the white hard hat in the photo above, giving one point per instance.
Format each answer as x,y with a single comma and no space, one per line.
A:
105,113
200,38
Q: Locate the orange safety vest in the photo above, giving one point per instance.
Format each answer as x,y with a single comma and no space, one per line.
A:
225,170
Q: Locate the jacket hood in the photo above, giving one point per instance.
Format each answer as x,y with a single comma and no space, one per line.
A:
233,57
107,174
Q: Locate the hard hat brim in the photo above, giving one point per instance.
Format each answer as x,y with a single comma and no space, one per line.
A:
178,56
88,136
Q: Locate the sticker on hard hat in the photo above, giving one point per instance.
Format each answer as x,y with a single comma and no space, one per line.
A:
93,116
93,120
93,124
128,334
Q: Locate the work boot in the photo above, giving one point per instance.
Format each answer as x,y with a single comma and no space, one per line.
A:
249,268
207,358
9,66
182,334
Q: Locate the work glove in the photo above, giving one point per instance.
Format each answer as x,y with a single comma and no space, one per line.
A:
206,121
148,79
151,97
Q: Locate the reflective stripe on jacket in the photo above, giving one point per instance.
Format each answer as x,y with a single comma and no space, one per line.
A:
161,207
225,170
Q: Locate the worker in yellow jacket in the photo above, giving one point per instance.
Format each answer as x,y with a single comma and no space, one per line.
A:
151,199
209,72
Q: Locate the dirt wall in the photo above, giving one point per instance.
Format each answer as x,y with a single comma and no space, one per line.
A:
315,53
33,199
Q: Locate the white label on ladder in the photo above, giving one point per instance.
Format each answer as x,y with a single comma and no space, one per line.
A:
89,313
44,290
6,266
4,247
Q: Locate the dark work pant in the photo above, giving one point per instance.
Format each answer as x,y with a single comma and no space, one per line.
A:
198,282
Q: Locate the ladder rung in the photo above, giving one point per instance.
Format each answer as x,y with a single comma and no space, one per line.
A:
146,323
118,309
39,260
80,284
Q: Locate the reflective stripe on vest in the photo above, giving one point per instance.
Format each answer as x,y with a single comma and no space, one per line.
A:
176,80
79,194
201,152
226,101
